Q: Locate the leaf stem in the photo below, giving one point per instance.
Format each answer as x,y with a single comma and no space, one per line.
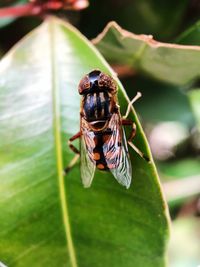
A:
22,10
34,8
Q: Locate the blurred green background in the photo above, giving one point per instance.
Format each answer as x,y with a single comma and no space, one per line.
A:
170,114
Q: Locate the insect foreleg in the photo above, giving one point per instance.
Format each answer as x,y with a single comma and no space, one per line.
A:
132,135
133,130
71,146
138,95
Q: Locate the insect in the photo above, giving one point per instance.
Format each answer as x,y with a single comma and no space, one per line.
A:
103,143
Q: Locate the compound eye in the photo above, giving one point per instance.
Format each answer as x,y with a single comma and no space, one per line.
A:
107,82
84,85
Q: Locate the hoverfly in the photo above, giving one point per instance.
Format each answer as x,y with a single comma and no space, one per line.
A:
103,143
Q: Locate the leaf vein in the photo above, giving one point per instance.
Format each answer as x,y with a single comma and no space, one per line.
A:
58,144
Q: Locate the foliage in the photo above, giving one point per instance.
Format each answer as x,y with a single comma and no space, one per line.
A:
49,219
40,113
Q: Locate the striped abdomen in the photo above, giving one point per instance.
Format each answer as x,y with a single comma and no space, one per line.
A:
96,106
106,153
104,147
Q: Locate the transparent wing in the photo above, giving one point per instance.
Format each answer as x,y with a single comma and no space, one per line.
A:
87,166
116,153
123,173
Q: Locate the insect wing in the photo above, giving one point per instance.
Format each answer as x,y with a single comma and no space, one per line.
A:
123,173
116,153
87,166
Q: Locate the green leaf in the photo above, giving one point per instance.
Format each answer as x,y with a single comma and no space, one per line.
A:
176,64
50,220
194,96
179,169
191,36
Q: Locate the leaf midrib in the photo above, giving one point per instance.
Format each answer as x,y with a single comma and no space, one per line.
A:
58,146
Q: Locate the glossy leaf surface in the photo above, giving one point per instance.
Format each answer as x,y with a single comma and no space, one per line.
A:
50,220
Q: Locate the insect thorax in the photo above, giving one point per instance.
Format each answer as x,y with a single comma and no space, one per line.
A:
97,106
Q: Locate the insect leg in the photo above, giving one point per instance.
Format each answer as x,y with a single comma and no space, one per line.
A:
75,150
72,147
132,135
138,95
126,122
71,164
